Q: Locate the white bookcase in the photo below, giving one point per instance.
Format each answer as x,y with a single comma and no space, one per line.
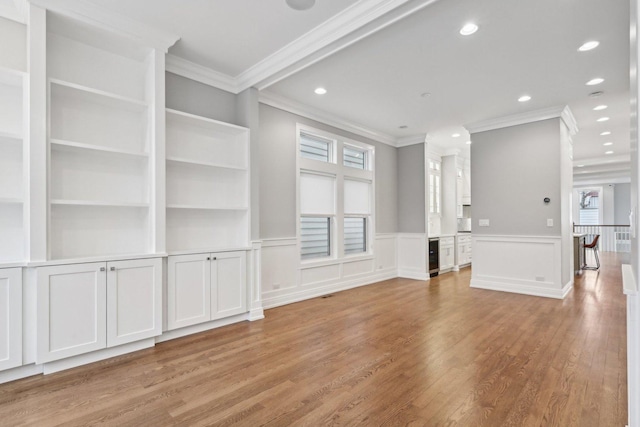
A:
207,184
100,109
12,155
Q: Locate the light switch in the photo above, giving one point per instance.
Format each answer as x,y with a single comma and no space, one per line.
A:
483,223
549,222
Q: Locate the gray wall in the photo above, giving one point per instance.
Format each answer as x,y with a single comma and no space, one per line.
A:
193,97
278,174
411,189
513,170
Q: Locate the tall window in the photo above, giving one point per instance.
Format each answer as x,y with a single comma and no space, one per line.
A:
589,207
335,196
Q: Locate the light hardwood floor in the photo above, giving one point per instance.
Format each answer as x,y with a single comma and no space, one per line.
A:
400,352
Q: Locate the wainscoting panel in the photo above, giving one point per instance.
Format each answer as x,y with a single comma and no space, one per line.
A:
412,256
529,265
285,280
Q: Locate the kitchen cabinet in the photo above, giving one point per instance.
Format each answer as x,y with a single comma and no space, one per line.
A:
466,184
204,287
92,306
447,253
464,249
10,318
459,191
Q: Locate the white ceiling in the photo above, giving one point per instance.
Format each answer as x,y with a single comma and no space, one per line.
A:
375,75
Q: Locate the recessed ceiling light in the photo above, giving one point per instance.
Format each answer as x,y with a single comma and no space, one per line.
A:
608,152
468,142
301,4
588,46
606,144
600,108
403,127
320,91
425,94
605,133
524,98
603,119
595,81
455,135
580,166
468,29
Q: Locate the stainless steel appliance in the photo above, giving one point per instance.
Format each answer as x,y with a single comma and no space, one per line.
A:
434,256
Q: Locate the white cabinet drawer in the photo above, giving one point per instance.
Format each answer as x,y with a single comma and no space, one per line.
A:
447,241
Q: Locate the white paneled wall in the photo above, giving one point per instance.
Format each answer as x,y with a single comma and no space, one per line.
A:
521,264
412,256
284,280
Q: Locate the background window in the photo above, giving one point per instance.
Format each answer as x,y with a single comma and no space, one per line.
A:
355,235
355,157
315,235
315,148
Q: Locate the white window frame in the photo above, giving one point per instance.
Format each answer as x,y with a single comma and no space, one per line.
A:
337,169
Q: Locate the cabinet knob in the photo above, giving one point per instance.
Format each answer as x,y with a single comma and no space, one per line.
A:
113,269
102,269
208,258
215,258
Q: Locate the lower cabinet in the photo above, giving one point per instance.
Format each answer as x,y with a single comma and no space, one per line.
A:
204,287
10,318
447,253
464,250
87,307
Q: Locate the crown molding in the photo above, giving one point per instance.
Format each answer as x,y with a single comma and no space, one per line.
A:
191,70
621,158
411,140
90,13
561,112
345,28
286,104
16,11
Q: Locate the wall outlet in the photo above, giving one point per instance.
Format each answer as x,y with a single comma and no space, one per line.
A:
539,278
276,286
483,223
549,222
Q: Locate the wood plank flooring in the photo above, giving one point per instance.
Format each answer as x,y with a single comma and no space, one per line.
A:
399,352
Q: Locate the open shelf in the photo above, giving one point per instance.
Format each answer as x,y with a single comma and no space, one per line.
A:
59,143
11,200
91,230
202,163
87,94
98,203
212,208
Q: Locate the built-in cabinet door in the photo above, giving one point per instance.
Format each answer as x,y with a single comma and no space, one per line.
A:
447,257
134,300
228,284
71,315
10,318
188,290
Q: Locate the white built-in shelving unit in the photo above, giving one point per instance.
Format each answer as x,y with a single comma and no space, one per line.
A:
12,169
100,105
207,184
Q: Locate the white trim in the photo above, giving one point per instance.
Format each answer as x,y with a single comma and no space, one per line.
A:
95,356
200,327
20,372
97,16
200,73
561,112
324,117
411,140
305,294
413,274
326,39
522,288
629,285
601,161
17,14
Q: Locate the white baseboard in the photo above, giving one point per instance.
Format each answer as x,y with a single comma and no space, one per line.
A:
201,327
19,372
519,288
256,314
413,274
96,356
304,294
